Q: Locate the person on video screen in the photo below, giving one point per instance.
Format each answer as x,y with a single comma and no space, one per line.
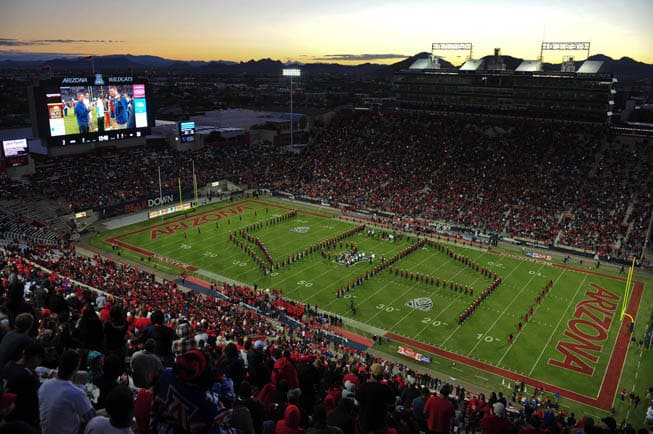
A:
119,104
81,113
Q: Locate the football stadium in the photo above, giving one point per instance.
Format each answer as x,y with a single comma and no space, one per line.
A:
486,237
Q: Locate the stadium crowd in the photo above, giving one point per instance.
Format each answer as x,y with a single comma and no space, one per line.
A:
568,184
142,355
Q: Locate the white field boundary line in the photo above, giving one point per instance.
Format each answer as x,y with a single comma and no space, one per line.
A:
505,310
526,325
555,330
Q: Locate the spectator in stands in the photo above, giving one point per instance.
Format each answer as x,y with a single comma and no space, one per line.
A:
13,343
185,341
112,372
234,367
115,332
119,405
64,408
284,369
162,335
256,411
320,425
440,412
146,366
21,380
343,416
496,422
259,365
188,383
417,407
16,303
534,424
290,422
88,330
410,392
56,303
375,399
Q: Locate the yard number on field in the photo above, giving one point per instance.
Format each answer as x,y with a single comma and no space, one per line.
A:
386,308
239,263
305,283
489,339
433,322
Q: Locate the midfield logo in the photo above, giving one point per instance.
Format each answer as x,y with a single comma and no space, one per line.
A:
421,303
301,229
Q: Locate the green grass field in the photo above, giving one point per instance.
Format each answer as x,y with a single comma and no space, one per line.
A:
390,302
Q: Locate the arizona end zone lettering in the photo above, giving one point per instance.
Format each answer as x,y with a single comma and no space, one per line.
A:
587,331
198,221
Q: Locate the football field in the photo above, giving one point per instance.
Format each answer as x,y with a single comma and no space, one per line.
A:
449,301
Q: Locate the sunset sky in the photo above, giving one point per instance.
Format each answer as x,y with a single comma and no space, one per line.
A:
345,31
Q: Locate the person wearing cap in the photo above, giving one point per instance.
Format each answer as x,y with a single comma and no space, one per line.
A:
185,342
20,379
495,422
64,407
184,401
375,400
439,411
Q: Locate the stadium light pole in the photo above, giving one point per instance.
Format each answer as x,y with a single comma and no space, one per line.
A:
291,72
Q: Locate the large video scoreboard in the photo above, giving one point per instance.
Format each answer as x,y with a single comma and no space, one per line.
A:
74,110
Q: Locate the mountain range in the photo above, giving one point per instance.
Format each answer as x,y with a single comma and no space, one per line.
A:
625,68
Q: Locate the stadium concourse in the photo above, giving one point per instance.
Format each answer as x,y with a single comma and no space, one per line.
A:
231,362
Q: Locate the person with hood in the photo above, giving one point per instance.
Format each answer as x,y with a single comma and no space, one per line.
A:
290,422
284,369
186,342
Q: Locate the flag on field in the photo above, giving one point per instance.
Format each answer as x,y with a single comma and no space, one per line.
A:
409,352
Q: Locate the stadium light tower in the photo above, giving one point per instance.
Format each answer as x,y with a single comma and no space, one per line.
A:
291,72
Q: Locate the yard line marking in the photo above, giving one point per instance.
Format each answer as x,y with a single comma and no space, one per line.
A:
525,325
482,378
507,307
563,316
